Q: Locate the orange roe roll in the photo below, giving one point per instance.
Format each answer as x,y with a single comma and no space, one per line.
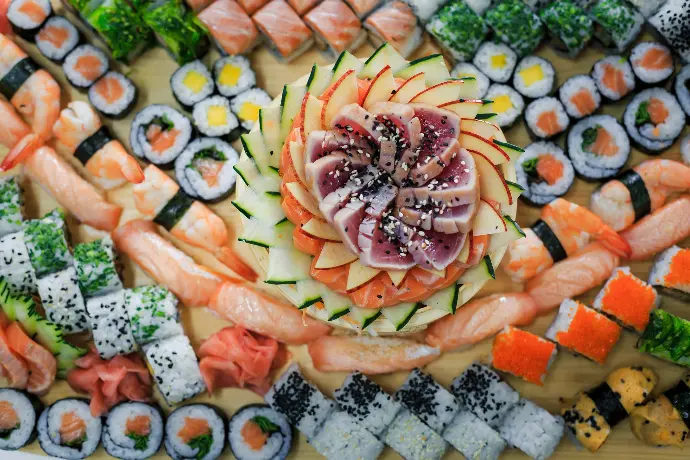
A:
523,354
584,331
671,272
627,299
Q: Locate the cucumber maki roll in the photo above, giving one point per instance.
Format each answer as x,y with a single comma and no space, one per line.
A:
96,267
666,338
19,411
496,60
205,169
598,147
616,24
569,27
213,117
28,16
515,25
545,172
654,119
133,431
246,106
46,240
11,204
159,134
191,83
275,430
57,38
153,313
177,29
457,30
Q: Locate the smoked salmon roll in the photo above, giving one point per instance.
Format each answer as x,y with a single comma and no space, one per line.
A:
598,147
113,95
287,35
66,429
654,120
652,62
336,28
546,117
133,430
232,29
19,412
396,24
57,38
545,172
251,6
84,65
195,430
27,16
614,77
159,134
580,96
302,6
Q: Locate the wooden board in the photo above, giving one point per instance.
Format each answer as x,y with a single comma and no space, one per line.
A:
569,374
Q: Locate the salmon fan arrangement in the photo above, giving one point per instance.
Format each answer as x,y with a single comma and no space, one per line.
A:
379,195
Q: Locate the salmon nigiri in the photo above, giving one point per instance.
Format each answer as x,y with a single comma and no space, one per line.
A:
191,283
14,367
245,306
369,355
41,363
480,319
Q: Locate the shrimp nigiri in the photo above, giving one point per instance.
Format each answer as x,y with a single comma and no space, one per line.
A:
74,194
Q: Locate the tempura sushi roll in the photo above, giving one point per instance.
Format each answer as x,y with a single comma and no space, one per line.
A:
412,438
465,69
286,34
508,104
153,314
46,240
473,438
428,400
159,134
84,65
271,426
233,75
114,95
63,302
112,332
681,87
214,118
481,390
341,437
654,119
191,83
19,411
598,147
15,265
523,354
652,62
664,421
336,28
195,431
534,77
617,24
532,429
614,77
593,413
627,299
569,27
647,7
516,25
456,29
424,9
57,38
672,23
584,331
363,8
133,431
395,23
96,264
66,429
28,16
232,29
175,369
546,117
545,172
671,272
11,205
246,106
205,169
496,60
580,96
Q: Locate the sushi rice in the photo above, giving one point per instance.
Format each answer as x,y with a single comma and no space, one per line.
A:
496,60
153,122
613,70
27,16
273,425
191,83
568,26
652,62
153,314
456,29
26,409
84,65
465,69
214,118
617,24
112,333
672,22
473,437
51,420
342,437
647,7
546,117
412,438
540,190
233,75
682,88
120,442
246,106
598,147
654,119
479,6
63,302
113,83
685,149
534,77
50,43
428,400
15,265
532,429
207,155
516,25
580,96
210,424
508,104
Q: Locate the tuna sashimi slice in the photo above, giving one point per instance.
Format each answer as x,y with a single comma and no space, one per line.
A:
404,129
379,196
323,143
431,162
458,219
434,250
347,222
354,119
379,250
334,201
437,123
330,173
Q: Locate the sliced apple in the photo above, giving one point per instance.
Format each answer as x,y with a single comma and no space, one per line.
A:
441,93
397,276
342,93
297,155
381,88
439,273
321,229
491,182
334,255
358,275
464,255
465,109
311,116
304,198
409,88
471,141
484,129
488,221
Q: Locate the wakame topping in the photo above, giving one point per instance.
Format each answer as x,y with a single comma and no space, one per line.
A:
589,137
266,425
140,442
203,444
642,115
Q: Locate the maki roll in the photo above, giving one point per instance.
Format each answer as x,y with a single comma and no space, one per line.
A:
664,421
46,242
534,77
616,23
516,25
569,27
133,431
175,370
286,33
205,169
19,412
412,438
114,95
15,265
28,16
473,438
241,38
546,117
580,96
681,86
214,118
63,302
508,104
672,23
153,314
57,38
84,65
457,29
191,83
523,354
627,299
336,28
647,7
96,265
614,77
363,8
428,400
654,119
11,205
465,69
66,429
652,62
545,172
247,104
257,432
496,60
159,134
112,333
665,338
341,437
195,431
685,149
395,23
425,9
598,147
670,272
532,429
233,75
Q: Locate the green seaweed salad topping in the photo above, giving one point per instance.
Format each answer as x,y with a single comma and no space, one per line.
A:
203,444
96,267
516,25
667,337
458,26
120,26
569,23
185,37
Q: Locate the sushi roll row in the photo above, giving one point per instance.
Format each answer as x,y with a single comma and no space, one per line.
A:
523,354
669,272
664,421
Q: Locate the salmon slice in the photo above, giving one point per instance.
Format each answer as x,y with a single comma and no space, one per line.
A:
250,6
305,243
40,362
161,139
481,319
193,428
577,274
655,59
548,123
336,24
334,278
253,435
5,26
605,144
614,79
209,170
363,7
72,428
34,11
657,111
372,294
283,27
244,305
659,230
198,5
56,36
294,211
109,88
89,66
396,24
549,169
9,420
369,355
302,6
584,102
139,425
15,368
230,25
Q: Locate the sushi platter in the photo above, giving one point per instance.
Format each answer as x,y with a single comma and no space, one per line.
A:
494,287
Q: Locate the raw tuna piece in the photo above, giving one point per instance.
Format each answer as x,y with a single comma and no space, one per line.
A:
379,196
323,143
434,250
458,219
436,123
347,221
431,162
330,173
379,250
337,199
402,129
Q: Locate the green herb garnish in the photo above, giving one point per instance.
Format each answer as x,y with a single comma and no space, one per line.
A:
163,122
530,167
140,442
7,432
516,25
266,425
202,444
642,115
568,23
77,443
589,137
47,244
95,264
149,330
457,26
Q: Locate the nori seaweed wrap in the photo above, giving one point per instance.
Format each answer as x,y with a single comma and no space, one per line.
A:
515,25
458,30
568,26
667,337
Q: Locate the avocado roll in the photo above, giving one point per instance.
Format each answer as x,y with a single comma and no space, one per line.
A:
28,16
66,429
568,26
457,30
195,431
654,120
133,431
247,104
664,421
57,38
205,169
19,412
84,65
515,25
546,117
598,147
465,69
191,83
270,426
614,77
496,60
616,24
214,118
534,77
508,104
681,87
545,172
580,96
159,134
666,338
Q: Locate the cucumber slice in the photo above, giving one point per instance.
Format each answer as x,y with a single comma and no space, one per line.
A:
66,356
364,316
345,62
309,292
287,266
445,299
487,106
515,190
5,300
383,56
513,151
483,271
50,336
25,312
263,206
434,68
401,314
290,104
258,233
255,148
269,123
319,80
503,239
336,305
250,175
486,116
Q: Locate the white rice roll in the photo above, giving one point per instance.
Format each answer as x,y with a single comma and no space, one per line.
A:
602,70
646,74
594,158
479,6
119,442
545,128
272,423
213,117
50,422
508,104
191,83
534,77
155,118
48,45
27,16
79,66
246,106
233,75
576,102
540,190
25,408
465,69
682,88
214,438
496,60
647,7
206,154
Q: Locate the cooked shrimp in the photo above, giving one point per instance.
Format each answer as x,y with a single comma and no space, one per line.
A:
12,129
574,226
157,189
612,202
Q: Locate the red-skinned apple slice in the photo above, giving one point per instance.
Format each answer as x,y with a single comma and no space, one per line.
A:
381,88
334,255
491,182
358,275
488,131
297,155
464,255
450,90
464,109
488,221
310,115
343,92
409,89
471,141
304,198
321,229
397,276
